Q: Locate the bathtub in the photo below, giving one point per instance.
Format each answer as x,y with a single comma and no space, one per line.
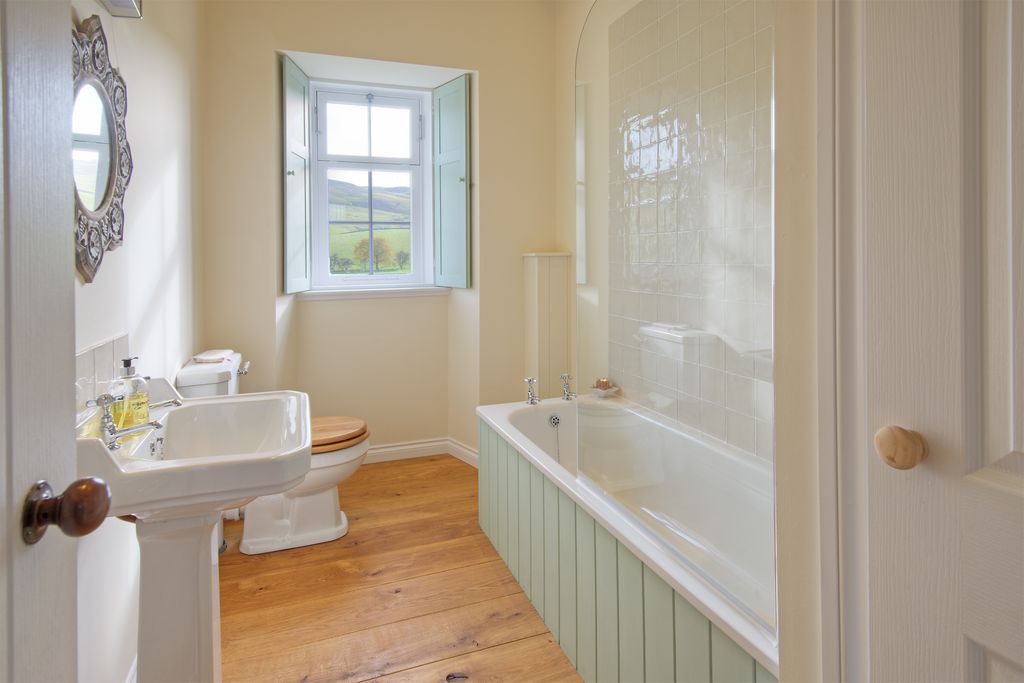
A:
699,516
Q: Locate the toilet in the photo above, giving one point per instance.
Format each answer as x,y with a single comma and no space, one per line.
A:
310,513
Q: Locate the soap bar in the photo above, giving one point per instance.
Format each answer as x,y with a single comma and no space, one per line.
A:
214,356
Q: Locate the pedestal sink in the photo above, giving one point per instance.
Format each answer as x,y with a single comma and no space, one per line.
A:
216,453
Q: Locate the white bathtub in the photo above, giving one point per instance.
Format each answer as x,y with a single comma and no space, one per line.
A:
700,515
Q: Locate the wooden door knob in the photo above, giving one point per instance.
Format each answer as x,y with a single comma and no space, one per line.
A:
900,448
78,511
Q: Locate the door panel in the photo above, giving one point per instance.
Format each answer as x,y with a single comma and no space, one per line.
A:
930,337
992,503
38,340
916,357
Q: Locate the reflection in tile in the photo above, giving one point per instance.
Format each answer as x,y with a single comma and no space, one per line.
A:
690,224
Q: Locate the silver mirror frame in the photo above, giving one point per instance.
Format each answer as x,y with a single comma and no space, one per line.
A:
102,230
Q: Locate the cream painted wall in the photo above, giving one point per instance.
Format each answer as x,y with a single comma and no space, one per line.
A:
509,46
570,17
147,288
584,61
384,369
584,311
797,457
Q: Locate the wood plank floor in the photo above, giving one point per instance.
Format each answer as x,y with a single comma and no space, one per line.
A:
415,592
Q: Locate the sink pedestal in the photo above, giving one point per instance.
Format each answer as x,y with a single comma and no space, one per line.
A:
218,453
179,601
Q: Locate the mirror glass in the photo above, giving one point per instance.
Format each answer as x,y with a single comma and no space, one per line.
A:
91,146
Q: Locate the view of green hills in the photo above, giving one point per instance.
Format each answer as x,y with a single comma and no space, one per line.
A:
348,208
349,202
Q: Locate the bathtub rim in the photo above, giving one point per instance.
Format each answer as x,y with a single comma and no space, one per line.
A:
707,599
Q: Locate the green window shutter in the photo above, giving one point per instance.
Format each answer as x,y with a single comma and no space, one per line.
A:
295,172
451,184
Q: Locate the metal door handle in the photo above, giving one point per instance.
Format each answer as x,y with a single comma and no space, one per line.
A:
900,448
78,511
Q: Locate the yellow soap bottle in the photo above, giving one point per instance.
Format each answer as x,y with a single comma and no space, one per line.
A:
133,407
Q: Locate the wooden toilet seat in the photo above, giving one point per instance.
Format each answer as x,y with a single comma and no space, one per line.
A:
334,433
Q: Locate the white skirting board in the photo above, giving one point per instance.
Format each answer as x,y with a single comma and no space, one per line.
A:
420,449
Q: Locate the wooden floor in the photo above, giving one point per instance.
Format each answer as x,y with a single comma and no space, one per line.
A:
414,592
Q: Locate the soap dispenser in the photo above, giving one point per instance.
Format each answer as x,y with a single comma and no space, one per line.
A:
133,407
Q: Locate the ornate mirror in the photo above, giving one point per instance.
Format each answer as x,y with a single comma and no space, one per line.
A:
100,153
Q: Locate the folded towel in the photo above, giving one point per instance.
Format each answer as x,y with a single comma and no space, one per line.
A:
214,356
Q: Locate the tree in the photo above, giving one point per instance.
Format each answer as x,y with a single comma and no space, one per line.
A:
402,258
340,265
382,252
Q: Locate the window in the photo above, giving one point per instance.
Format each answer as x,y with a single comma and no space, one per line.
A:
370,211
386,204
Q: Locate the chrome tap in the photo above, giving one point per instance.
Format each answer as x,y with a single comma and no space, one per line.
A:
531,391
164,404
567,392
107,426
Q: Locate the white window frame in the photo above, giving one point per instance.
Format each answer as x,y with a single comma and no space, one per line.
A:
421,198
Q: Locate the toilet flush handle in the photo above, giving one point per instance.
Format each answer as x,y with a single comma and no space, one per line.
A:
244,368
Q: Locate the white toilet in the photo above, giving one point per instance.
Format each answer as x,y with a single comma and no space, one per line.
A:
308,513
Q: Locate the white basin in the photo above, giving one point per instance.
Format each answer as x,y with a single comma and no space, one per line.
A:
216,453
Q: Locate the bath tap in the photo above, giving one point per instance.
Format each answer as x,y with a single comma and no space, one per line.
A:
567,392
107,426
531,391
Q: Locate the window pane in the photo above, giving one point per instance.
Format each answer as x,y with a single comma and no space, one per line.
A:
347,129
391,196
348,195
350,248
392,253
390,132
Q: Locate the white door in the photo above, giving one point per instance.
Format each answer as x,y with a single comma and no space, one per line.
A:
930,200
37,582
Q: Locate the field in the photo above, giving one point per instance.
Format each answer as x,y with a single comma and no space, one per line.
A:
349,215
345,237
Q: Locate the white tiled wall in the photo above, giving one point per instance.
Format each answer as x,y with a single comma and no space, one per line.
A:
690,223
95,367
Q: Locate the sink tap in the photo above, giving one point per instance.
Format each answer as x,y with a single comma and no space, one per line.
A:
115,434
567,392
107,426
531,391
164,404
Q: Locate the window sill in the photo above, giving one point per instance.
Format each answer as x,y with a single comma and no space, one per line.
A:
378,293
